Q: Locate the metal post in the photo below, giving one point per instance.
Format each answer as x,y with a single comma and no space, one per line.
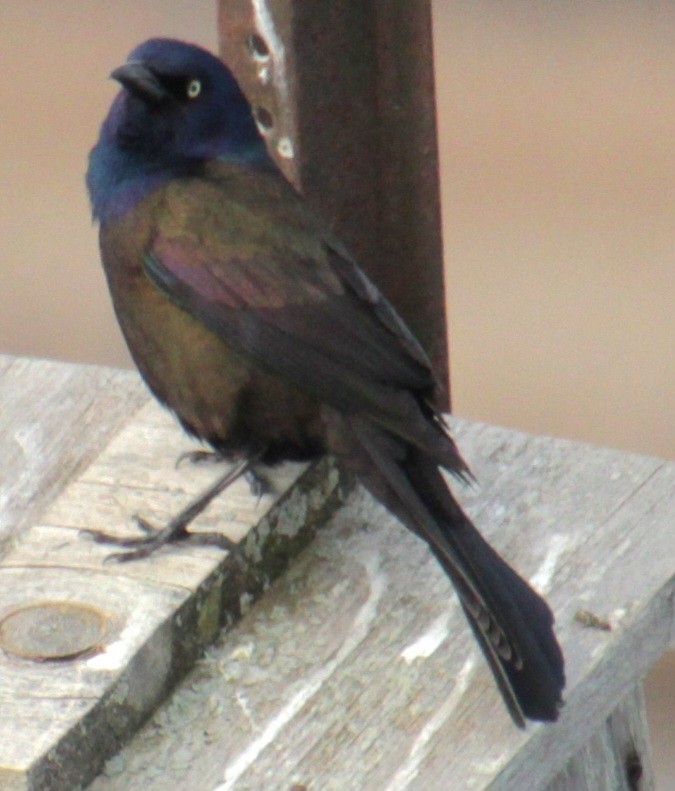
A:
344,91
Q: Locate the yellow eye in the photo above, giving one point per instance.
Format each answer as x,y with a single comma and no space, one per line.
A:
194,89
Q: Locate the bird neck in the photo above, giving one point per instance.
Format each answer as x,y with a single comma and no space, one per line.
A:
118,179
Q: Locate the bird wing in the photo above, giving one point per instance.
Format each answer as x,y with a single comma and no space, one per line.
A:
263,273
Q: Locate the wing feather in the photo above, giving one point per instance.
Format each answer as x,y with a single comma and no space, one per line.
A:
296,304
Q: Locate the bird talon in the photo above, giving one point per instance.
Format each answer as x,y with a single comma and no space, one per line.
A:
198,457
258,484
118,557
143,524
106,538
141,546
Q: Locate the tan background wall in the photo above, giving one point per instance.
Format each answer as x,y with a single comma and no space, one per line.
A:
558,160
556,126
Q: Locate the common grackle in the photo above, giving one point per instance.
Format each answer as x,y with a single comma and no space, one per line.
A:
250,320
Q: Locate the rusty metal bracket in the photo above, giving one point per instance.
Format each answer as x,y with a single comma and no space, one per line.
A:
344,93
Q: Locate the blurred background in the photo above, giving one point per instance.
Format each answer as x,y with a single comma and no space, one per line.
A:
557,141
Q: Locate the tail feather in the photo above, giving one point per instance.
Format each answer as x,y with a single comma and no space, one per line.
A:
507,610
512,624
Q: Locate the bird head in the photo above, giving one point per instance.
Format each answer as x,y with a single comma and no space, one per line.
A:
179,101
178,107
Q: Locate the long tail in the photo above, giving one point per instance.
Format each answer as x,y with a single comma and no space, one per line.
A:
512,624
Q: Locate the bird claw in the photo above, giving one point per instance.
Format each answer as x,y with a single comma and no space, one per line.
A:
143,524
199,457
258,484
143,546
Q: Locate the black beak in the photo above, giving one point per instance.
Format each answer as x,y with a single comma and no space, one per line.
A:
137,78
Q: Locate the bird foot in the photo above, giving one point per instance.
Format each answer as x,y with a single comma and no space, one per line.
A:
143,546
176,528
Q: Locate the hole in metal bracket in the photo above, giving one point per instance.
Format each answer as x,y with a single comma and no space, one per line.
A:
257,46
264,118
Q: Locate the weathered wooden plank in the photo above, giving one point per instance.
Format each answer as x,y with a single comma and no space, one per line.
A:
62,719
616,757
356,670
53,418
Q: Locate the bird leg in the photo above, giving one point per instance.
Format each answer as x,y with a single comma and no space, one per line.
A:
176,528
257,482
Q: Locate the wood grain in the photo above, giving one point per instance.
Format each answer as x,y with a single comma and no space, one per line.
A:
356,670
53,418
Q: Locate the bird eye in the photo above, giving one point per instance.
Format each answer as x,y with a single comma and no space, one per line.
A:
194,88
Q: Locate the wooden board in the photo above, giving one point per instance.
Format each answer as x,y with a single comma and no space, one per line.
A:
616,756
356,670
86,448
53,418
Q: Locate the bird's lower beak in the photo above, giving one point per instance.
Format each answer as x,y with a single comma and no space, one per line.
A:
137,78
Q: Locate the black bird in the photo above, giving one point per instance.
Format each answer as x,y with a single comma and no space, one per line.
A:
250,320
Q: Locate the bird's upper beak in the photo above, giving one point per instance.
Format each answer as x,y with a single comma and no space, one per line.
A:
141,81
